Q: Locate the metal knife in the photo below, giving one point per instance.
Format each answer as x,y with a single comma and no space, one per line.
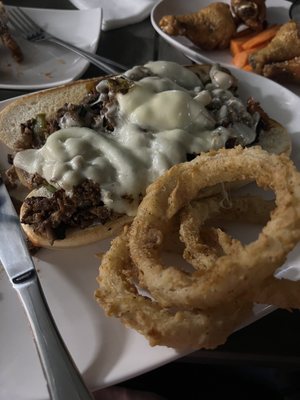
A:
63,378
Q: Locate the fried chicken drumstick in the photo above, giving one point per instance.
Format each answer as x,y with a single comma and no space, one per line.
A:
210,28
284,72
284,46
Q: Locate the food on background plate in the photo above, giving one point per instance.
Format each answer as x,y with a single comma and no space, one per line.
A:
244,44
89,149
7,39
284,48
210,28
201,308
285,71
213,27
271,50
251,13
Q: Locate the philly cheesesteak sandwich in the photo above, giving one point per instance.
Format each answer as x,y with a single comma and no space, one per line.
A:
88,150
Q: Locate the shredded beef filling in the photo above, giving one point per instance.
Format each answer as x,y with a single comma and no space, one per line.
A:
52,216
264,121
35,131
91,113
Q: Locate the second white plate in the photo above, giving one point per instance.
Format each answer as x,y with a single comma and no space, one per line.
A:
277,12
46,64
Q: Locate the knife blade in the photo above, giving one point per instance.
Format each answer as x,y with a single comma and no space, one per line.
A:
62,376
18,264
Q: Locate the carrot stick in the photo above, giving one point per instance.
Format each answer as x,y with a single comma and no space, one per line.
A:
241,58
261,37
237,42
235,46
248,68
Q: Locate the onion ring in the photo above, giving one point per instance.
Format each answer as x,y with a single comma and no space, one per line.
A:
282,293
231,275
184,329
203,245
202,255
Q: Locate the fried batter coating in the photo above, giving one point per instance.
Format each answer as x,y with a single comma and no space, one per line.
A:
210,28
284,46
252,13
6,37
286,71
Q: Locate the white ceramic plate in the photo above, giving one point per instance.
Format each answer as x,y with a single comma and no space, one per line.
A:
105,351
277,12
46,64
114,16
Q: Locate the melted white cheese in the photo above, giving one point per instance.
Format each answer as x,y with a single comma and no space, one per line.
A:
182,76
124,163
158,121
164,110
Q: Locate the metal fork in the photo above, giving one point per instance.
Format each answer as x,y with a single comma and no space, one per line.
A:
32,32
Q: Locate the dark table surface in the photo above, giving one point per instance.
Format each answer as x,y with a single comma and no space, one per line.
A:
271,342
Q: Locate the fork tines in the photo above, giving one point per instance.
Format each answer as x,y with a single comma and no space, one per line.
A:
23,23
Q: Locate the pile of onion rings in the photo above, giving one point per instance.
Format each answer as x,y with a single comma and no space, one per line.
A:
202,307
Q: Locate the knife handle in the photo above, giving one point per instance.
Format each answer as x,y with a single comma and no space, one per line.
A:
63,378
